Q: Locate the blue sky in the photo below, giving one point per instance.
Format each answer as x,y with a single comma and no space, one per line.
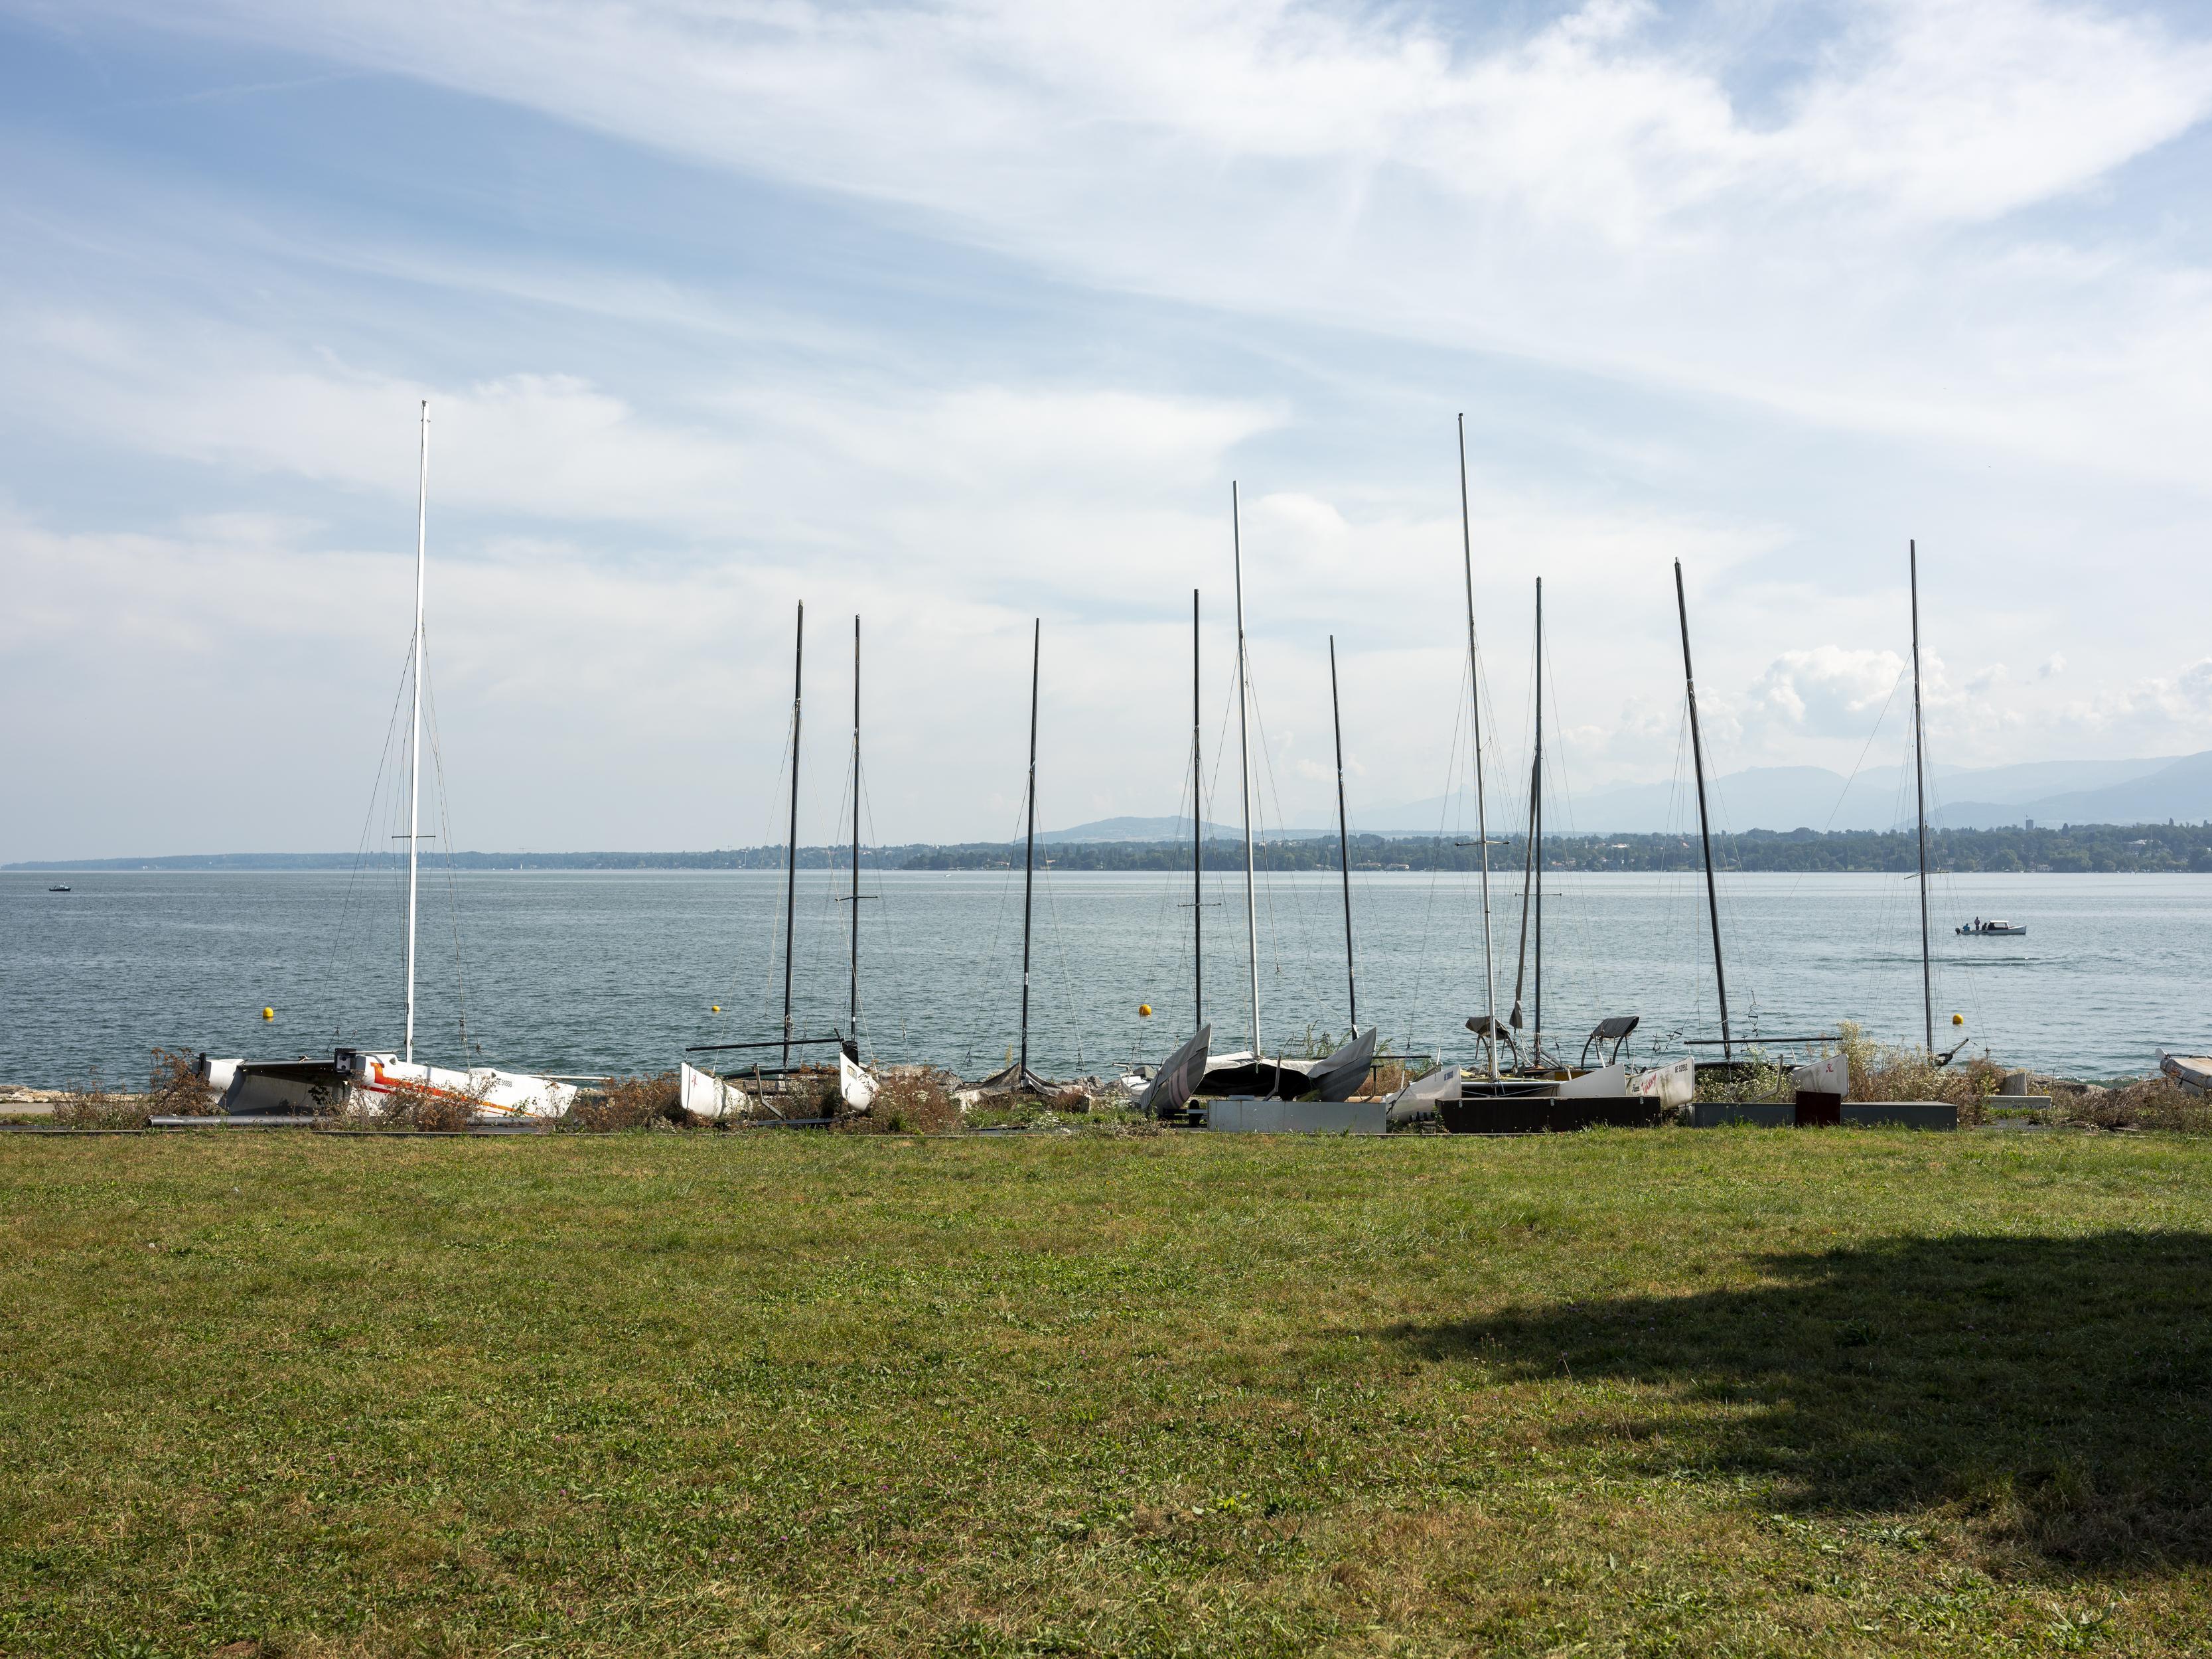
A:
958,315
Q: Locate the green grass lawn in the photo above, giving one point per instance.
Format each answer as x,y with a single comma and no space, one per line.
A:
1626,1393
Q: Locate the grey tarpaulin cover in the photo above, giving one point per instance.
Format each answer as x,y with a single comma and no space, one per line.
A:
1171,1085
1016,1079
1339,1077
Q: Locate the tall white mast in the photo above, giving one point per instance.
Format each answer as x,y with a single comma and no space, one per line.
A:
1245,768
1475,701
1920,805
414,741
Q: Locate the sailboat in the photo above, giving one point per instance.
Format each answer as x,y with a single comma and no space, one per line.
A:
708,1093
1539,1092
1245,1072
1920,813
1018,1078
1247,1091
366,1079
1178,1077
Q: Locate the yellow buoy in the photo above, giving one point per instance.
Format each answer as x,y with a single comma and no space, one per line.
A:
714,1007
268,1013
1143,1011
1958,1019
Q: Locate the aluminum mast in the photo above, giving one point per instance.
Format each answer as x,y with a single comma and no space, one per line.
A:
1028,861
1244,767
414,741
854,1035
1475,703
1536,837
791,853
1704,823
1343,843
1920,796
1197,836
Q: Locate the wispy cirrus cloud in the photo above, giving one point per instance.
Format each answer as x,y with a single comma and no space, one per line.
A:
1593,191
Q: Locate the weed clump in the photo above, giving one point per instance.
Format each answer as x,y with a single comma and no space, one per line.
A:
812,1092
413,1106
2149,1103
908,1103
1388,1076
175,1087
630,1102
91,1104
1760,1077
1881,1072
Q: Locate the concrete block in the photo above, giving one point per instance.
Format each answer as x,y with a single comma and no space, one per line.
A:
1901,1115
1249,1115
1765,1115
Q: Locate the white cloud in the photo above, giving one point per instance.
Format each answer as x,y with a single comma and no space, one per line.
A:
1590,191
551,446
636,474
2154,708
1826,691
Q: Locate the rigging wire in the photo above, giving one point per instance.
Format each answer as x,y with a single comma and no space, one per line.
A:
998,922
1421,956
362,856
885,912
446,841
771,1016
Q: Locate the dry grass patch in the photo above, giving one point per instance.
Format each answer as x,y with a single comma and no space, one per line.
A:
2151,1103
91,1104
631,1103
909,1101
175,1087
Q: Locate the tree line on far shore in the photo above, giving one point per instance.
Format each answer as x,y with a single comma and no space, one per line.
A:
2151,847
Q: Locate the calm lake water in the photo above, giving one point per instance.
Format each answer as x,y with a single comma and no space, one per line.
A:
590,972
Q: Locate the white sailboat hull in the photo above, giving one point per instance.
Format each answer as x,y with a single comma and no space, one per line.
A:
488,1091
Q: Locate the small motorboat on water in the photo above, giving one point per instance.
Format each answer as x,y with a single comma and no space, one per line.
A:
1978,928
62,887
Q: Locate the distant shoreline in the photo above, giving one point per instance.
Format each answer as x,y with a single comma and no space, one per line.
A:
2064,849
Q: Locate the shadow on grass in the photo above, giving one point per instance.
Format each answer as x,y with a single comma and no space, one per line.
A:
2055,1393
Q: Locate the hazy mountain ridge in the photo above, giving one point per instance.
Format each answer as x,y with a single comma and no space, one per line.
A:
1778,798
2146,790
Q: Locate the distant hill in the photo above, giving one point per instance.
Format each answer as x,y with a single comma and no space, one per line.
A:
1118,830
1114,829
1776,799
2180,790
1784,797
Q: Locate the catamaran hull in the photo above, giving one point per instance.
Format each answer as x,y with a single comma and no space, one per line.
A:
364,1082
487,1091
704,1095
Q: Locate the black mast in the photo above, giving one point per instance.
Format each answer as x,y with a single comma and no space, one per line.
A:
1528,891
791,852
1536,821
1343,843
1028,861
1197,837
1704,823
854,1034
1920,796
